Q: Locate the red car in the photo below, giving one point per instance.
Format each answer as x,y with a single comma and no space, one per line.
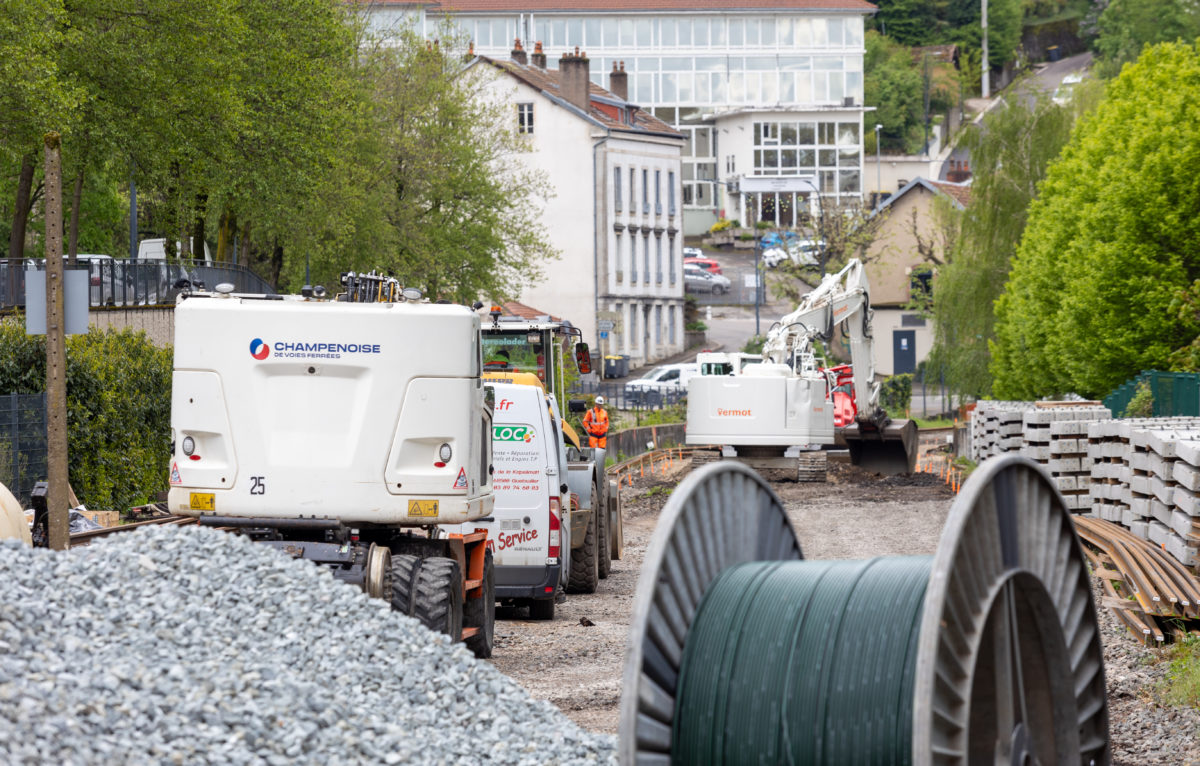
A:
708,264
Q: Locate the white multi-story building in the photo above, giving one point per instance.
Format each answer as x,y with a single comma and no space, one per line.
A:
615,215
769,93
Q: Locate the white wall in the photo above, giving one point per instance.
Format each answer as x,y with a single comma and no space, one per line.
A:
883,323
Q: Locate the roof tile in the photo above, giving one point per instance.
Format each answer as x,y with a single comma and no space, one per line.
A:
594,6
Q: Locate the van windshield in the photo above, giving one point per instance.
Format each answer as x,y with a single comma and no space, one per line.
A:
652,373
513,352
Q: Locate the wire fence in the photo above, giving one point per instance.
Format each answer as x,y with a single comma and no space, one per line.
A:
134,282
738,294
624,396
22,443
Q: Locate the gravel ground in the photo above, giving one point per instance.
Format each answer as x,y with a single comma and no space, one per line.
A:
853,515
187,645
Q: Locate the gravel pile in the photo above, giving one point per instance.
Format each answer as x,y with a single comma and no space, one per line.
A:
1142,731
184,645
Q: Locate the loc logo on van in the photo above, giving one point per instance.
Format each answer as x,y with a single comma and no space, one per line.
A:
512,434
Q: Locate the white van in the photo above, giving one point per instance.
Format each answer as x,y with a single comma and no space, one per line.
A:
156,250
667,381
529,539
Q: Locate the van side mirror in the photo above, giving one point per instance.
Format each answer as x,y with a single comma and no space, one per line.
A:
576,405
583,359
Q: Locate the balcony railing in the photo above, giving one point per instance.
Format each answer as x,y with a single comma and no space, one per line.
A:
134,282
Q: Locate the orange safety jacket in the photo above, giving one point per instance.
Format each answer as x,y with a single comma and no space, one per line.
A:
595,422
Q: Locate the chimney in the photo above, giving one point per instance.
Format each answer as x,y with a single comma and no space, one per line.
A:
618,82
539,58
518,53
573,79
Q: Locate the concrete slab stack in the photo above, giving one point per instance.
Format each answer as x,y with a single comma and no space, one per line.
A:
1055,435
996,428
1145,474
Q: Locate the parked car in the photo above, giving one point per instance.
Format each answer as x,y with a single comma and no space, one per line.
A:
708,264
802,252
156,249
779,239
698,280
693,252
1062,94
667,382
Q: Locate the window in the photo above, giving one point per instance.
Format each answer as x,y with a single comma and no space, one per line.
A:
658,259
658,333
633,271
646,259
525,118
632,197
658,192
671,324
617,256
617,189
645,191
671,196
671,259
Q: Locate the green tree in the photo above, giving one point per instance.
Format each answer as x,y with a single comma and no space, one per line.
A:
463,218
1009,155
894,86
1098,288
1125,27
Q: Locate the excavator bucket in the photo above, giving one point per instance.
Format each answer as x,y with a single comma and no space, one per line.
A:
890,450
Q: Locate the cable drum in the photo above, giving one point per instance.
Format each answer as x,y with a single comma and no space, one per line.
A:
802,662
987,652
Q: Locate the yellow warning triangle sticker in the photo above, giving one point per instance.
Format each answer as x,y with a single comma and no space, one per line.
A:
175,474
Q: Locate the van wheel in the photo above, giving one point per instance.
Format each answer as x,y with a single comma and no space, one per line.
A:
481,612
585,564
541,609
604,562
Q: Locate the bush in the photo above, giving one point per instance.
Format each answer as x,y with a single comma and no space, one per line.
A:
722,225
1141,405
895,394
118,409
696,326
763,225
754,345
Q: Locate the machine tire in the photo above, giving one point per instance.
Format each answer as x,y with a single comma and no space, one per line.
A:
616,525
541,609
481,612
429,590
603,533
585,564
718,290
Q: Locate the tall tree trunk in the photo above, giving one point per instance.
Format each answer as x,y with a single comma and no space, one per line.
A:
16,239
244,258
73,235
276,262
225,235
198,226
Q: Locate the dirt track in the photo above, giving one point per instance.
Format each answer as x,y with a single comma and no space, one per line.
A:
578,667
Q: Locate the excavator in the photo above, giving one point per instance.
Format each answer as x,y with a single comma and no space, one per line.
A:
784,409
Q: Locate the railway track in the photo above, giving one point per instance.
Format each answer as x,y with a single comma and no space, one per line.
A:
80,539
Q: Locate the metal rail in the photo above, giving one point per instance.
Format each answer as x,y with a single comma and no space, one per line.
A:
1147,589
80,539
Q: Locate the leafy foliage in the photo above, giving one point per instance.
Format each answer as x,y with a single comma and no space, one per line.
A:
1099,285
895,394
118,409
1125,27
936,22
1141,405
893,84
1010,155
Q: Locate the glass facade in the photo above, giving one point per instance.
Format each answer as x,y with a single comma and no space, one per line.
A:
689,68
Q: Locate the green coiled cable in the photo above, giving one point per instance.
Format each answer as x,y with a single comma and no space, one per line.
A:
802,662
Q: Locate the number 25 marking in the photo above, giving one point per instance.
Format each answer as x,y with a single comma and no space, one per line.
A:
258,485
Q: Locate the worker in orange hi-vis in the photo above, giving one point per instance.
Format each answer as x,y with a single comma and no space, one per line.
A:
595,422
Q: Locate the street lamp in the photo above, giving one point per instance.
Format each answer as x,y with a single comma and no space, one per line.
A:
878,172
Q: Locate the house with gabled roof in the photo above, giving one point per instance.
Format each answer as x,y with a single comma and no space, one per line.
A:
616,213
911,240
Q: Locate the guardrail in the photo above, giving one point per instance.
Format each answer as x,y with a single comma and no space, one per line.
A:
631,398
133,282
